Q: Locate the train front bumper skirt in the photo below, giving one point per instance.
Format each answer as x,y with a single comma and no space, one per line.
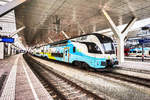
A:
109,63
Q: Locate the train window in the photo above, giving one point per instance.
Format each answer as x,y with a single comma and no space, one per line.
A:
66,53
125,51
134,51
149,52
57,54
108,48
37,53
59,43
103,39
74,49
92,47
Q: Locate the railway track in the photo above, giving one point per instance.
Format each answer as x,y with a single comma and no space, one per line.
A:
58,86
128,78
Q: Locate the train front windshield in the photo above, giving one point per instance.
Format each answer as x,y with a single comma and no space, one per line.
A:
107,44
108,48
92,47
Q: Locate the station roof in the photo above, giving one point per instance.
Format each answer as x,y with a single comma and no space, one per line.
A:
47,18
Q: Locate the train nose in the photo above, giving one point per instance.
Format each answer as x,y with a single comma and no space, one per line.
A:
110,63
108,56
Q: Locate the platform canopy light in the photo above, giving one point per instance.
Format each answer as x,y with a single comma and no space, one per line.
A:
7,39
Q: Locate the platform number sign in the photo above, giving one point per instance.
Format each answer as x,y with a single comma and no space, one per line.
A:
7,40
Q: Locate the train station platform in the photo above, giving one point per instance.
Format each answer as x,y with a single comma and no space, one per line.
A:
139,65
18,82
146,59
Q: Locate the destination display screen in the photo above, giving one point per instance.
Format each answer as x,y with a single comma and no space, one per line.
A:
8,40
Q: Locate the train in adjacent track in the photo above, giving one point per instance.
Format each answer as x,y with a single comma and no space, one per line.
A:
137,52
89,51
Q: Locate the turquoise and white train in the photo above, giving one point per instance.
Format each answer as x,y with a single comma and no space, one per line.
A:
137,52
91,50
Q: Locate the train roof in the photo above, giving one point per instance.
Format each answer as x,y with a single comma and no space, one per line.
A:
66,40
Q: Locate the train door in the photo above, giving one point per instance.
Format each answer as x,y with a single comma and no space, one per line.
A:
66,54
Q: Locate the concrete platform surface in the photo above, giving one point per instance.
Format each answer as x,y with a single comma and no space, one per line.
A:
20,83
136,65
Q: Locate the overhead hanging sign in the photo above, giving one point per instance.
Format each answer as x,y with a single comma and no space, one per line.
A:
7,39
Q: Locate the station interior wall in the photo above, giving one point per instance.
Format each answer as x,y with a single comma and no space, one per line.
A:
8,26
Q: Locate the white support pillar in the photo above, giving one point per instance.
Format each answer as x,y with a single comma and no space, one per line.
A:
1,50
128,27
65,34
18,30
120,49
112,25
9,50
12,50
50,40
119,35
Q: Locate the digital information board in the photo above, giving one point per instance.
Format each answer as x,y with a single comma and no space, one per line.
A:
7,40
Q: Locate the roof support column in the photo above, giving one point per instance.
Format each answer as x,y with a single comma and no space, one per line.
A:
9,49
66,36
1,50
50,40
18,30
120,50
13,51
119,35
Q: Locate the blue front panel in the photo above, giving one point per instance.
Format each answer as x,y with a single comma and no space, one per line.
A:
8,40
79,56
